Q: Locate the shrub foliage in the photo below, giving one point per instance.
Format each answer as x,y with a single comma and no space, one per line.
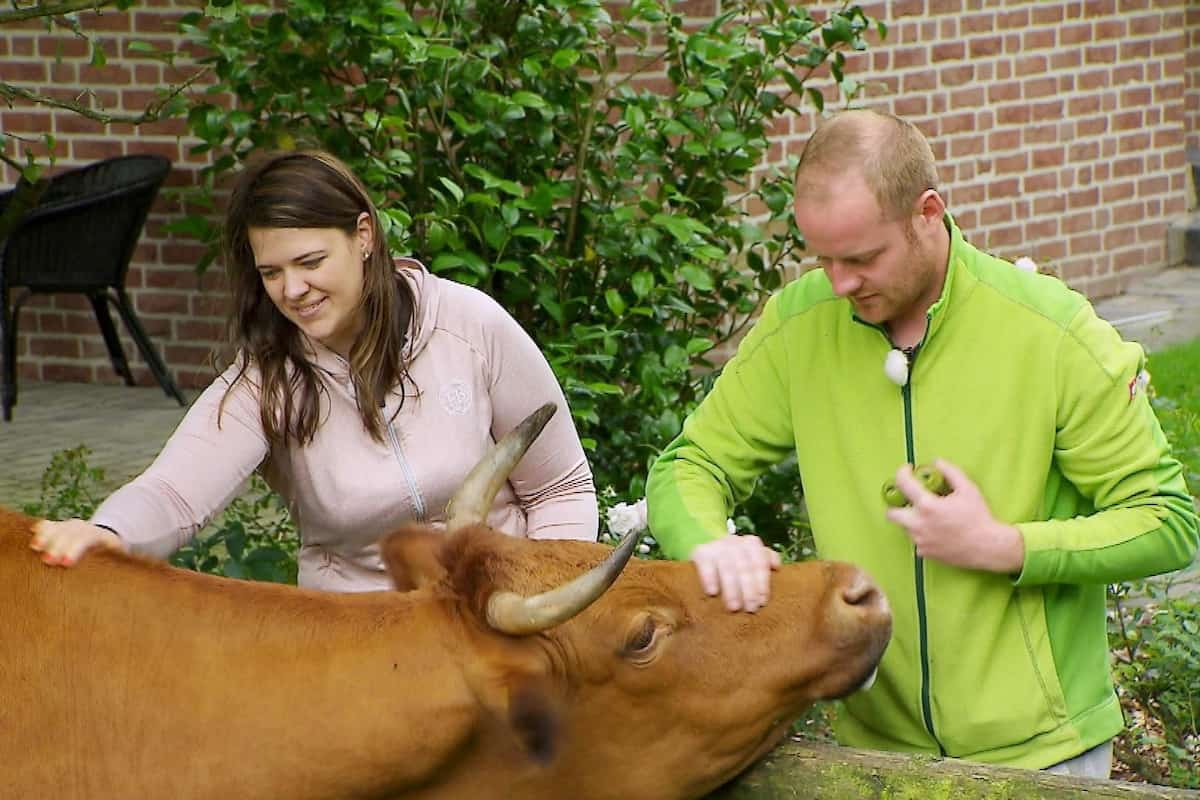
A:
597,168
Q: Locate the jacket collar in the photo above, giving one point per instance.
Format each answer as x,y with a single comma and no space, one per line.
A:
959,280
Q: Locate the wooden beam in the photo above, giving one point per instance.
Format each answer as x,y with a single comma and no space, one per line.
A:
798,769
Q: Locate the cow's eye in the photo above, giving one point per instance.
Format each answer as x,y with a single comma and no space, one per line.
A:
642,639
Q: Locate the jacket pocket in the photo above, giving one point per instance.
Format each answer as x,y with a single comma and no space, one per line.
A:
994,682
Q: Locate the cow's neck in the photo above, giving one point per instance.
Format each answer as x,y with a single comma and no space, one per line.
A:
300,695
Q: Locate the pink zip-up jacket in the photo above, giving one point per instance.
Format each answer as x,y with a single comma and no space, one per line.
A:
477,375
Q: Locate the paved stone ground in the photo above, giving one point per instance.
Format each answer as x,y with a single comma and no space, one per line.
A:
126,426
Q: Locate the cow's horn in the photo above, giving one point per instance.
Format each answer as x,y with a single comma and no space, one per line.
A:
471,502
512,613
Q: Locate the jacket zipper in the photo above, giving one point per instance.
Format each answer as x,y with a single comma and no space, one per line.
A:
414,491
918,562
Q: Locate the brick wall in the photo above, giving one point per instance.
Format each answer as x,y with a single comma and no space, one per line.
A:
1192,88
1061,128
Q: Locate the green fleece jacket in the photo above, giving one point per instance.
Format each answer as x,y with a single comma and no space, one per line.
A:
1020,384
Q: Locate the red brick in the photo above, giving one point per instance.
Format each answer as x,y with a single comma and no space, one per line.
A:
958,75
944,7
65,373
54,346
948,51
1075,34
26,72
111,74
1079,222
1039,87
1052,110
977,23
1004,139
1016,163
195,355
1004,92
95,150
1044,13
1158,184
1128,73
986,46
1114,192
1040,182
200,330
61,47
973,97
1066,59
160,302
998,238
1099,8
996,214
1013,115
966,146
1091,126
998,189
1095,79
1083,151
1053,204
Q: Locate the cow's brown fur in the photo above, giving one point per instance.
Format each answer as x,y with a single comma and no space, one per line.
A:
122,678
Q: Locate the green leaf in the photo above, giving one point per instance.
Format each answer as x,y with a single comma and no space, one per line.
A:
567,57
528,99
98,58
615,304
451,187
443,52
697,278
642,283
540,235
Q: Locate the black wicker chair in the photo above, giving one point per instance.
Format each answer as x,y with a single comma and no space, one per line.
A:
79,238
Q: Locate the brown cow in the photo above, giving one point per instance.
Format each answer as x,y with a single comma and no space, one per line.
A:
123,678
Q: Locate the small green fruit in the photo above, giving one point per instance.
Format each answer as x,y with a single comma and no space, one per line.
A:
893,496
932,479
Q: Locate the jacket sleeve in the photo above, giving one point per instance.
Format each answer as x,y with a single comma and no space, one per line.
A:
553,482
198,472
1110,447
740,429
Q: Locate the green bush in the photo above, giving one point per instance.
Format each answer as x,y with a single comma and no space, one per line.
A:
1155,641
253,538
591,166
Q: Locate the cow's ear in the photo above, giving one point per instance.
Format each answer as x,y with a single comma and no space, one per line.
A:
411,555
534,719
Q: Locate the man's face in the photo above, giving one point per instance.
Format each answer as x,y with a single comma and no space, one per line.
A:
887,268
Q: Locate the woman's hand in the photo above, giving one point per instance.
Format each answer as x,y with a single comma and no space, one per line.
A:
64,543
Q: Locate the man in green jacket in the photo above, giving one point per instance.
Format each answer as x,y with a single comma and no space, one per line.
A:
908,347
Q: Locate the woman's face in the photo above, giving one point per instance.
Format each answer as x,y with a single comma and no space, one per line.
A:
314,276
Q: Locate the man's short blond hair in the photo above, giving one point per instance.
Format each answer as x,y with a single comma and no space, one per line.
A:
890,153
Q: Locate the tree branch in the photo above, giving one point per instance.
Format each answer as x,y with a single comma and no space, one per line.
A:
153,112
52,10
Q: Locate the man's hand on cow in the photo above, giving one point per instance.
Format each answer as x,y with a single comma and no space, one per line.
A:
64,543
738,568
959,528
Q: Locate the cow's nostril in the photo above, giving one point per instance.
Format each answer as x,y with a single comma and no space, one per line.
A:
861,591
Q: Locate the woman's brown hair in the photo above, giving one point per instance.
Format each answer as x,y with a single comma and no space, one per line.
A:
310,189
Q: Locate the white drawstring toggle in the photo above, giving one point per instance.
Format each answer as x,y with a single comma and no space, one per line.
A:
895,366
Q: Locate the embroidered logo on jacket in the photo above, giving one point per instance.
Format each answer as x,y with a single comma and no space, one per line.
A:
455,397
1138,383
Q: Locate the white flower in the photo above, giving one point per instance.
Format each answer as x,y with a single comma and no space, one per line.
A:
895,366
623,518
1026,264
730,528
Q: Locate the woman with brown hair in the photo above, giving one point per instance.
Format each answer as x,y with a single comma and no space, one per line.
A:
363,389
